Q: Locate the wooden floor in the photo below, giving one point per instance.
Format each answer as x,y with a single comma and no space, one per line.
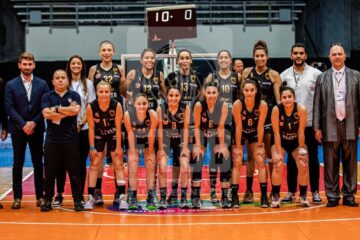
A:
248,222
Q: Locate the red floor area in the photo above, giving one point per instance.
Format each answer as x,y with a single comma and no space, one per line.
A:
108,182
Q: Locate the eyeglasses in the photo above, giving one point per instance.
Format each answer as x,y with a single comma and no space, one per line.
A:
336,44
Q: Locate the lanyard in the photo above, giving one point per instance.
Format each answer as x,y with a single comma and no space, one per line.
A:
338,81
297,79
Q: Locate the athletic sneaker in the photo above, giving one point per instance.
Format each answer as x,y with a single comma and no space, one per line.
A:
162,204
150,203
133,203
122,202
195,203
98,198
58,201
275,201
289,198
173,199
235,203
304,202
213,196
225,203
46,206
90,203
264,201
184,204
316,198
79,206
248,197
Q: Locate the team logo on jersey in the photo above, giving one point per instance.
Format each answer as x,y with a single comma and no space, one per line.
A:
156,80
233,80
296,115
112,113
267,76
281,123
97,115
165,121
147,122
282,118
137,85
98,75
96,120
181,116
193,78
257,112
115,71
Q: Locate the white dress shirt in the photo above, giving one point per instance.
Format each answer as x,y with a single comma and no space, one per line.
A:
304,87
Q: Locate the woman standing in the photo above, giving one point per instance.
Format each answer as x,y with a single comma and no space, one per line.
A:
147,80
289,121
114,74
190,84
173,129
229,84
140,123
104,117
76,72
270,82
249,115
209,117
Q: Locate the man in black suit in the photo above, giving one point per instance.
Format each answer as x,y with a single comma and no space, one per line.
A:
3,117
336,124
26,124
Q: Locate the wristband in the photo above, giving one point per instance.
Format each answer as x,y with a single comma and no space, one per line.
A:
92,148
57,109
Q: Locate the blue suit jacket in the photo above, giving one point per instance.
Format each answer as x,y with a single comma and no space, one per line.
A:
20,109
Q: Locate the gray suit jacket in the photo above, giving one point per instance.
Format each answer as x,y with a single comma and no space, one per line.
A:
324,105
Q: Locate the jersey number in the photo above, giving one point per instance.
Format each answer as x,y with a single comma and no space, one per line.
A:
250,122
225,88
185,87
211,124
147,88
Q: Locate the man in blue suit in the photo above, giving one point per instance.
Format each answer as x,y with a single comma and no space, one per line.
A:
26,124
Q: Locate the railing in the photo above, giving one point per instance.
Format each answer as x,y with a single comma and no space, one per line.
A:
80,13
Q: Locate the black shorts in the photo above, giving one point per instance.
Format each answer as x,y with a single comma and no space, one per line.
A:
100,142
141,143
250,137
289,145
230,134
173,144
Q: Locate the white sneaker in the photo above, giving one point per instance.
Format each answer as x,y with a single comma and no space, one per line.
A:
289,198
316,198
304,202
122,202
275,201
90,203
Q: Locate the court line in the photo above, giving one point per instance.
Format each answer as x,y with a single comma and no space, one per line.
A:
193,224
10,189
226,213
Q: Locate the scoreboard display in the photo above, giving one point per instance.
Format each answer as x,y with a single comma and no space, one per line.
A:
170,23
